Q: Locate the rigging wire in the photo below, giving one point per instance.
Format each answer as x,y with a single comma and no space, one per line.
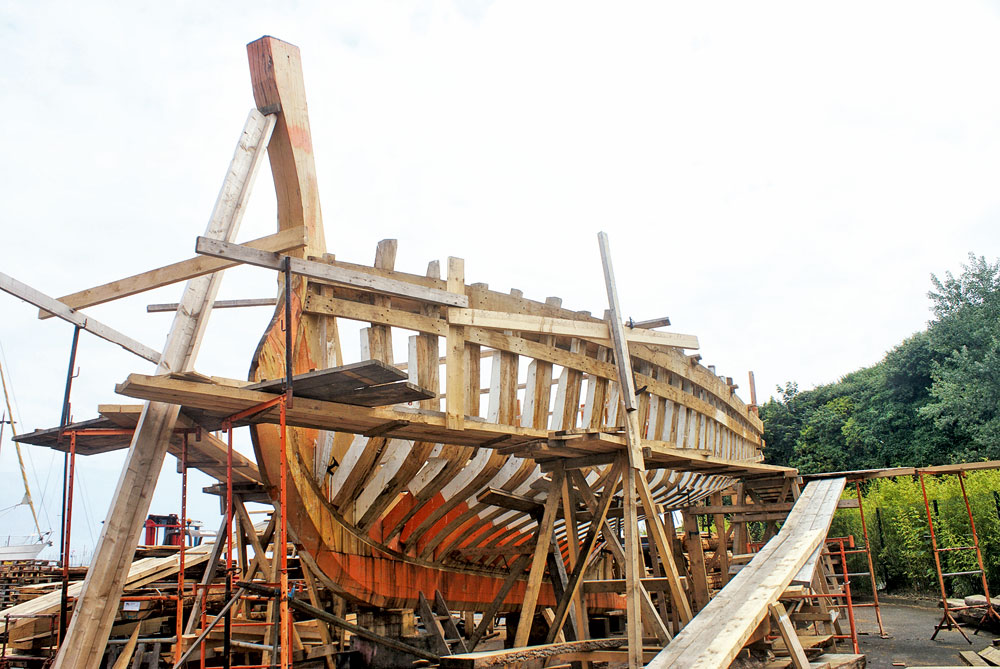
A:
16,411
17,448
85,502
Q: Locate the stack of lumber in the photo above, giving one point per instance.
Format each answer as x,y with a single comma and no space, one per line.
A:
142,573
16,574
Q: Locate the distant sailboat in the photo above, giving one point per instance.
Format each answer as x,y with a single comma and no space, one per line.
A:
20,547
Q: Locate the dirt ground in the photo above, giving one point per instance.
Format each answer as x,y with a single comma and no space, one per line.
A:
910,622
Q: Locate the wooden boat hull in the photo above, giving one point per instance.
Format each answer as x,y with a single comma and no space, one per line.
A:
384,519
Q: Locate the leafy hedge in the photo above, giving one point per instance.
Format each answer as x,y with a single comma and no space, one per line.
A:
899,536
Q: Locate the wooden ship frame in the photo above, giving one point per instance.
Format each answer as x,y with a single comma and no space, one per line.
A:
493,496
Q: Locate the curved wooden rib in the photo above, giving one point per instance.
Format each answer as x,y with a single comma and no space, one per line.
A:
394,517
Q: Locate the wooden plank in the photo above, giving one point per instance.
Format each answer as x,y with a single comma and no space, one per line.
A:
331,306
368,383
972,658
218,401
806,574
386,394
595,331
325,272
324,384
787,631
623,362
519,656
9,284
778,507
218,304
866,474
455,399
184,270
991,655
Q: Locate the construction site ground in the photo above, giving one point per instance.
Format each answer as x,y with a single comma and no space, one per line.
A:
910,621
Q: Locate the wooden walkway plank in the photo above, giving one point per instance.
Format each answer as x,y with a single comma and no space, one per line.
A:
716,635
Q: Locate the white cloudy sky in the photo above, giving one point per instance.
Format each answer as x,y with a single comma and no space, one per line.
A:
779,178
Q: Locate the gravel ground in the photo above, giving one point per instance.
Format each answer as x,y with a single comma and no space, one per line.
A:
910,622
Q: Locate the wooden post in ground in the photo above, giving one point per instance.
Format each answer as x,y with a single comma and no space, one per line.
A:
455,395
538,559
788,635
635,482
634,565
722,550
696,560
95,610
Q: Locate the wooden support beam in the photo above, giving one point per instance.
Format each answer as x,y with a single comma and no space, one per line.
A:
573,548
177,272
617,552
9,284
516,570
95,610
260,555
207,576
696,562
617,330
585,329
635,569
337,621
324,272
575,579
722,549
650,323
788,635
538,560
664,548
218,304
455,399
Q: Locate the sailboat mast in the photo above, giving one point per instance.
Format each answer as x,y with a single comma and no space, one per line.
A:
17,447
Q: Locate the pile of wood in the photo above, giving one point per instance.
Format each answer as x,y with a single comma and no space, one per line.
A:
21,580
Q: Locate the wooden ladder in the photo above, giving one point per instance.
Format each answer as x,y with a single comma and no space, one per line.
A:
440,625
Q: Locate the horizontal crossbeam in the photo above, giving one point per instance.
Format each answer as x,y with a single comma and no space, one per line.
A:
325,272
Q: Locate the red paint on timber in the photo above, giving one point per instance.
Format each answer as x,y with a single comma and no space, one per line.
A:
397,513
300,138
419,517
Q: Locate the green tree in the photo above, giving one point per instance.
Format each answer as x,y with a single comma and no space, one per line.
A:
965,336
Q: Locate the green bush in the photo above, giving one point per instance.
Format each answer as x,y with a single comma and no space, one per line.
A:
900,539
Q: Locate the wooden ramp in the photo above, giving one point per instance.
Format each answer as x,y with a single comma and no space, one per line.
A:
715,636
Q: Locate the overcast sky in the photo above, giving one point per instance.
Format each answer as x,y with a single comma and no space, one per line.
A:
780,179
